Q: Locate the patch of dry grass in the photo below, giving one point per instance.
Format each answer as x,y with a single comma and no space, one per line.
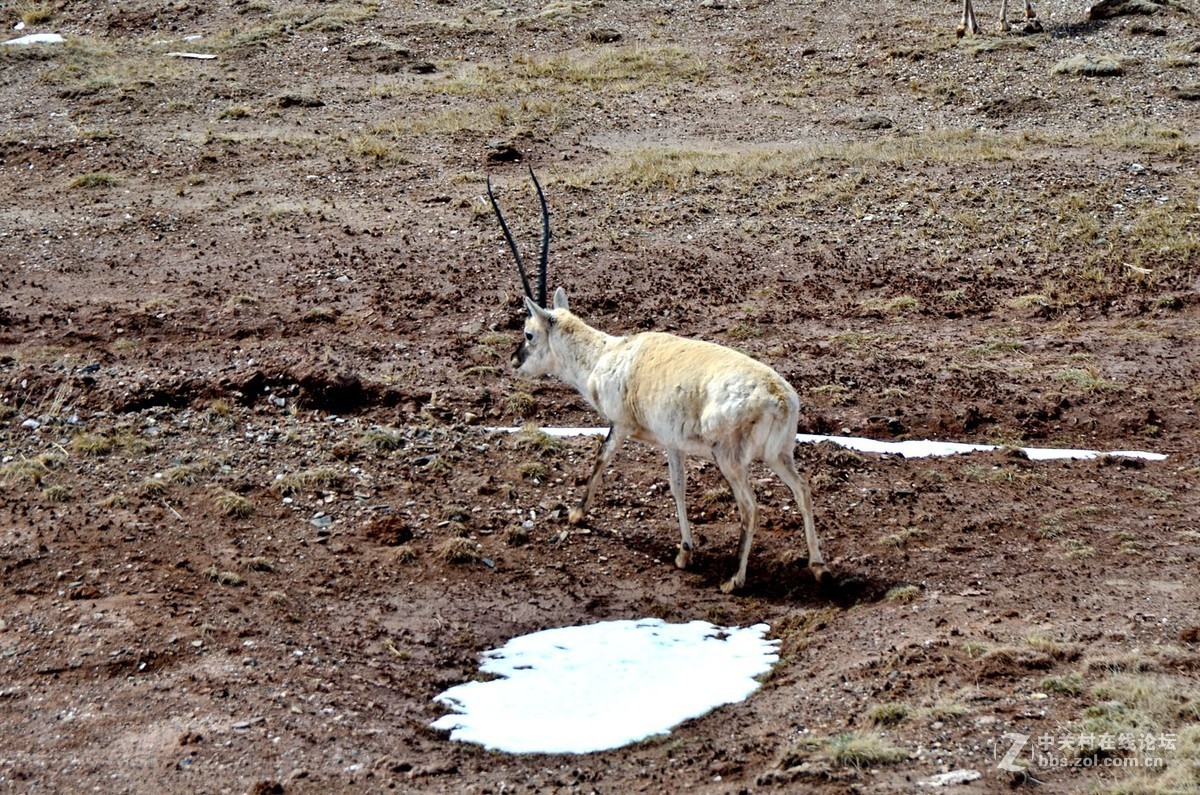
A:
30,470
233,504
856,749
459,550
224,577
1165,708
317,479
888,714
533,439
903,594
1091,65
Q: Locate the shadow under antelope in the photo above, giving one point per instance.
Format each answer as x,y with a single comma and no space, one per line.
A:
687,396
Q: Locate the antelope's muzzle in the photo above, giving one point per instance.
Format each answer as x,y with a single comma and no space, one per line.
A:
518,357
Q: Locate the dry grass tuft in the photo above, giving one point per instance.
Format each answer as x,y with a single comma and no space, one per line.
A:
383,440
34,13
857,749
1070,684
534,470
522,404
56,493
1087,380
903,594
115,501
1163,707
182,473
320,478
231,578
30,470
152,487
99,179
533,439
888,714
92,444
233,504
459,550
1091,66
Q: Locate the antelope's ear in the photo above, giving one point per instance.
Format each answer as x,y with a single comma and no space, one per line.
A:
560,299
534,310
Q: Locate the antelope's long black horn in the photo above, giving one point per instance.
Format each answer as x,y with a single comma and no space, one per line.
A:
513,247
542,264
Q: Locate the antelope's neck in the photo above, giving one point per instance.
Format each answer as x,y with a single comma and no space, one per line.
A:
580,348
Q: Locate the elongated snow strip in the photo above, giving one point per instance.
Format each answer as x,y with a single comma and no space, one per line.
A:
916,448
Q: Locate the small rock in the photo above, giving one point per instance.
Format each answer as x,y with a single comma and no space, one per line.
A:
603,35
872,122
501,151
299,101
31,424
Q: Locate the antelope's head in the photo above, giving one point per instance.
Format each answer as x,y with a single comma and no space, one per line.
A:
535,356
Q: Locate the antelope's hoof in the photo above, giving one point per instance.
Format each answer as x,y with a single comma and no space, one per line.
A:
1033,26
731,585
821,574
576,516
683,559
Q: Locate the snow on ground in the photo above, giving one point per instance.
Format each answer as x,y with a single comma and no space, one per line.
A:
916,448
601,686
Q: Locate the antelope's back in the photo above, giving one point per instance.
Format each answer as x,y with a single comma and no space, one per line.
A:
693,395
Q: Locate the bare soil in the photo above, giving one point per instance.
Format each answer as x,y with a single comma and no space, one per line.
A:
256,318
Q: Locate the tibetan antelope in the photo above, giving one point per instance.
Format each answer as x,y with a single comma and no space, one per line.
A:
686,396
969,25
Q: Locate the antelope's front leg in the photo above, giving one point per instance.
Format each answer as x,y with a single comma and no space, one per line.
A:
968,25
612,443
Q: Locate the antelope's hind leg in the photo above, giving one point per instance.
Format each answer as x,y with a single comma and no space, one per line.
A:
678,475
604,456
737,474
1032,23
785,468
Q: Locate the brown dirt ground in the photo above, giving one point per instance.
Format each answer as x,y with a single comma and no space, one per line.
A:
280,289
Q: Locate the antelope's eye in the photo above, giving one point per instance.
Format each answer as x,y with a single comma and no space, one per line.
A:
529,336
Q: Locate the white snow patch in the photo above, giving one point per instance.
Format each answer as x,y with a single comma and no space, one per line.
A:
910,449
37,38
951,778
602,686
